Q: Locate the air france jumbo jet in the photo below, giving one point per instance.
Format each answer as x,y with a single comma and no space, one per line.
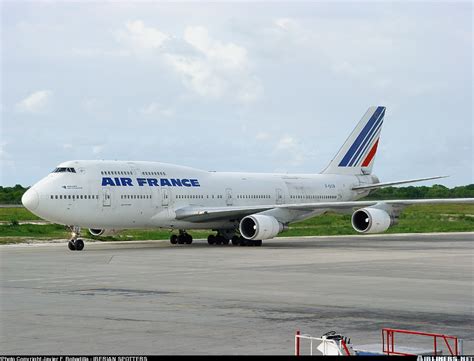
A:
244,208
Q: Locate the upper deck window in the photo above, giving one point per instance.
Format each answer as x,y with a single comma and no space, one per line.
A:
64,170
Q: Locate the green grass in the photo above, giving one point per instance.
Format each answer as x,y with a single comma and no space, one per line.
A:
33,230
17,213
414,219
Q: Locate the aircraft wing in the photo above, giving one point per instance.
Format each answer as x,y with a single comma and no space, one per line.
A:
205,214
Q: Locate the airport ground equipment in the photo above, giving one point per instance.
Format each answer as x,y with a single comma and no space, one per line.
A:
335,344
452,343
331,343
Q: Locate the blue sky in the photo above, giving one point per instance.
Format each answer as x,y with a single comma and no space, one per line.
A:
264,87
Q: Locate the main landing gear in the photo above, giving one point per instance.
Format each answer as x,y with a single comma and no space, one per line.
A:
224,238
217,240
75,243
243,242
182,238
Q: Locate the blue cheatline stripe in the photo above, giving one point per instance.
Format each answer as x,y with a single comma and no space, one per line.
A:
369,136
366,148
361,136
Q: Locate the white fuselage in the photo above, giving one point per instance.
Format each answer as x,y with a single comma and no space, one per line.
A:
121,194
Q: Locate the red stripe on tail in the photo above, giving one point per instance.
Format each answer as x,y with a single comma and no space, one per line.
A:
371,154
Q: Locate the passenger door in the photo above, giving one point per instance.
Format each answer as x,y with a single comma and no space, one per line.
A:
106,197
280,197
165,197
228,197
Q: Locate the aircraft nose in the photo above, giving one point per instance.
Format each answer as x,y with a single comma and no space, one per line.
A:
30,199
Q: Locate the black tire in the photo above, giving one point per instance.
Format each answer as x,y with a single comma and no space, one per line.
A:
189,239
235,240
225,241
79,243
221,240
211,239
174,239
181,239
258,243
71,246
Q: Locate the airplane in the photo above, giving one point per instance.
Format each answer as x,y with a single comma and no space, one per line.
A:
242,208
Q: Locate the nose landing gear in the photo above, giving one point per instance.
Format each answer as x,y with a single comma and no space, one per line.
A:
75,243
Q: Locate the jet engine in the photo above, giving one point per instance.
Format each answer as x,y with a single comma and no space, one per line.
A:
372,220
102,232
260,227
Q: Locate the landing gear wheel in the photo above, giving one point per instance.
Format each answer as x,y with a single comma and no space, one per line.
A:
174,239
79,243
189,239
75,243
181,239
257,243
235,240
211,239
71,245
225,241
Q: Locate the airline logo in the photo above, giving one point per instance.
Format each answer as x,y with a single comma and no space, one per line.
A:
363,150
150,182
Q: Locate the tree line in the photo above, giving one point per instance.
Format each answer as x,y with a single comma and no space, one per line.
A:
12,195
422,192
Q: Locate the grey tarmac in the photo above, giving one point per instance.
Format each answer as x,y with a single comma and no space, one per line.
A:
154,298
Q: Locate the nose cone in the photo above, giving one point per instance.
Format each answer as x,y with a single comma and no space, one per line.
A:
30,199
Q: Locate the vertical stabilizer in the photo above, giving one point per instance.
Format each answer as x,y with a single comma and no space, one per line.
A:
357,155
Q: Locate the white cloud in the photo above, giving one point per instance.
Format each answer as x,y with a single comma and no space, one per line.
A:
347,68
3,152
290,151
36,102
197,75
287,24
97,149
229,56
285,143
217,70
97,52
262,136
156,109
285,33
140,37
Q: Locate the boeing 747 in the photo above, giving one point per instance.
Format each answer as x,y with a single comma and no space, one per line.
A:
242,208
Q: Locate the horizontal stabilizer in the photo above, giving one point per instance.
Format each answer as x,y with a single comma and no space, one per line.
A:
387,184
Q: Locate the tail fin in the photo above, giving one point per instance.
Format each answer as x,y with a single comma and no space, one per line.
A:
358,152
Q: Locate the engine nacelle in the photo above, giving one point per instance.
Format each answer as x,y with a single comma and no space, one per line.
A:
102,232
372,220
260,227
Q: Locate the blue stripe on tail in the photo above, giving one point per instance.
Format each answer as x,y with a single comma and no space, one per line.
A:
369,127
367,140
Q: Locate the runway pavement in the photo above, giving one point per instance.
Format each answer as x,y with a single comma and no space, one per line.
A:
154,298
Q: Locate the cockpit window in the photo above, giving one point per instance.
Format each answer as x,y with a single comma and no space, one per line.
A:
63,170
